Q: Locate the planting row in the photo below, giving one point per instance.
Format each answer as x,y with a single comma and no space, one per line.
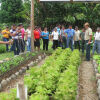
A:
96,65
56,79
14,62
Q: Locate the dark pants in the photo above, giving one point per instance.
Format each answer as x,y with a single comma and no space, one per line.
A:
45,44
16,47
77,44
88,48
21,45
55,44
59,43
83,47
5,40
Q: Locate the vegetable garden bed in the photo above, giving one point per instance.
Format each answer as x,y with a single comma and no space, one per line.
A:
57,79
13,65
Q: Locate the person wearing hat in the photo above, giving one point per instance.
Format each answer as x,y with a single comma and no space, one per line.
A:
6,34
96,41
88,38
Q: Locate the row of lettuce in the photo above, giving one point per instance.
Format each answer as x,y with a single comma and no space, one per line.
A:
57,79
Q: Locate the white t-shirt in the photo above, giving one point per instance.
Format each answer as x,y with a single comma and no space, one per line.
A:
88,32
97,36
28,33
55,35
77,35
13,32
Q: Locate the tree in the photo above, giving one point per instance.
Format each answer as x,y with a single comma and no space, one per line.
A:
9,11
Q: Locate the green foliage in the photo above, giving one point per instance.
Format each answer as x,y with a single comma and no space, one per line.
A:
44,82
9,11
2,48
9,96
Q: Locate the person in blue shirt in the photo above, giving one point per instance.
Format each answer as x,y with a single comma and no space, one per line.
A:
45,37
70,37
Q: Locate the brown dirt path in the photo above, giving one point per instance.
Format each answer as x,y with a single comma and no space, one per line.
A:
87,82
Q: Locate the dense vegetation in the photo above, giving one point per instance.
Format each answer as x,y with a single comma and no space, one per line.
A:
50,13
57,78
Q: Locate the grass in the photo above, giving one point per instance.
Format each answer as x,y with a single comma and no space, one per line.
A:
8,55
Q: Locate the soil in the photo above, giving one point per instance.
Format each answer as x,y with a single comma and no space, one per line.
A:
19,79
87,82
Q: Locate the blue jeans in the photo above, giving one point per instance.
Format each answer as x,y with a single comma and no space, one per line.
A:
6,39
88,48
70,42
96,47
29,44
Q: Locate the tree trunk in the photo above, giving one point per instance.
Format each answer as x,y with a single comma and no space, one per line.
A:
32,25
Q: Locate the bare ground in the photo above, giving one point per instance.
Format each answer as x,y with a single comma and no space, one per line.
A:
87,82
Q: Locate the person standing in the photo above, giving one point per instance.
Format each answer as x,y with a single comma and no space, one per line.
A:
96,41
36,39
82,36
20,39
45,36
70,37
77,38
28,38
88,38
59,31
6,34
55,36
63,37
14,34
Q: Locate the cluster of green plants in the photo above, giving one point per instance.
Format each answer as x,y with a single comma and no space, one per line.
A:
97,58
14,62
45,82
2,48
9,96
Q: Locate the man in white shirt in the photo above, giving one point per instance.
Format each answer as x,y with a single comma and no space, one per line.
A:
96,41
77,38
55,36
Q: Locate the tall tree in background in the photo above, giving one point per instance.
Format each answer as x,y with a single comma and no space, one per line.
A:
9,11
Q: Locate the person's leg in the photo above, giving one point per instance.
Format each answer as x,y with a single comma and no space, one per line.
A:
56,43
68,41
43,44
53,44
87,51
71,44
14,47
98,47
38,41
47,42
83,43
22,45
17,46
75,43
5,40
94,47
79,45
29,44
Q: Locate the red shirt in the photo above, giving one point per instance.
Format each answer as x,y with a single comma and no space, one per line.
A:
36,34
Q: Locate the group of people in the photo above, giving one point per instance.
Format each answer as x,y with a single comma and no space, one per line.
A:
60,36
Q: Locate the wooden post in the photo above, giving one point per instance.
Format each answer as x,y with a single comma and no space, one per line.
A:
32,25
